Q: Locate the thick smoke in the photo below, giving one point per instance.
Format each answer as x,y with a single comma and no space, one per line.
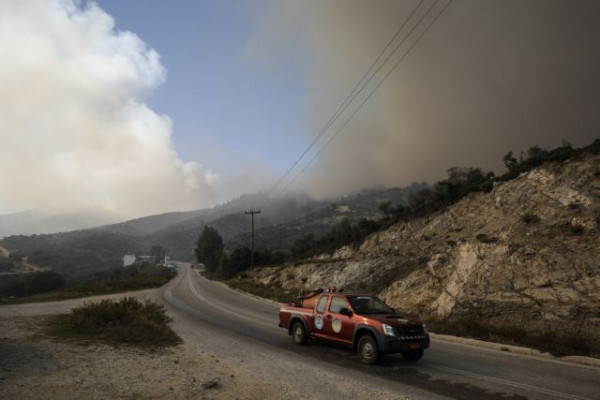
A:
75,132
490,76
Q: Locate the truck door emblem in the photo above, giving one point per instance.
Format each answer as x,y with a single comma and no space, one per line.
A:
318,322
336,325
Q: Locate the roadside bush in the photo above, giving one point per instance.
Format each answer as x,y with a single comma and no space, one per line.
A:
559,338
15,257
577,230
124,279
530,218
124,321
6,265
270,292
31,284
483,238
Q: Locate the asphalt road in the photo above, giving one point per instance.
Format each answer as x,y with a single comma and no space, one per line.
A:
447,370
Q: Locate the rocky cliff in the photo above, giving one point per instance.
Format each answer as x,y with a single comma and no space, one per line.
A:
527,251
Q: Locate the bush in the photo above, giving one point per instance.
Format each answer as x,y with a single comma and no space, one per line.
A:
124,321
121,279
530,218
483,238
31,284
559,338
6,265
577,229
268,292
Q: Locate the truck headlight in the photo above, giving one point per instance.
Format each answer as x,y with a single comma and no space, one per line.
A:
388,330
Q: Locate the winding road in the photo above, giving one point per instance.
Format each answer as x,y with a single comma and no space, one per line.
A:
245,328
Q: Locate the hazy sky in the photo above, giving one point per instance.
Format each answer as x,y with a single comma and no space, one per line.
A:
137,107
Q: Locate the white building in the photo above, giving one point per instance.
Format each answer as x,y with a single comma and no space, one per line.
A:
128,259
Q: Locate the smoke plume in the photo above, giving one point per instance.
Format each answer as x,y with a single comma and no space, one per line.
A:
488,77
75,131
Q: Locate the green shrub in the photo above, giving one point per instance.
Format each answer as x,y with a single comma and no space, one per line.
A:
124,321
268,292
6,264
530,218
576,229
483,238
31,284
559,338
125,279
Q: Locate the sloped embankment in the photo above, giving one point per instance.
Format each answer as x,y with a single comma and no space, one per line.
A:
528,252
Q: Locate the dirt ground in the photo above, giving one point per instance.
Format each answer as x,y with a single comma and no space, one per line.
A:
35,367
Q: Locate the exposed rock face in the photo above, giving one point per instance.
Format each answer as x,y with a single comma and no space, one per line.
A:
529,249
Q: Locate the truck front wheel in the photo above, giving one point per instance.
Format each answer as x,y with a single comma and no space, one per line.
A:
299,333
367,349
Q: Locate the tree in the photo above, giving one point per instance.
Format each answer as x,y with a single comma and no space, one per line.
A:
45,281
303,245
238,261
15,257
385,208
209,248
510,161
6,265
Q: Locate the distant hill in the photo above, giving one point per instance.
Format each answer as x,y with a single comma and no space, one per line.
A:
280,223
74,254
35,222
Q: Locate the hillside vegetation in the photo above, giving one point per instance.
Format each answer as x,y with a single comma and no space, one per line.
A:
50,286
517,260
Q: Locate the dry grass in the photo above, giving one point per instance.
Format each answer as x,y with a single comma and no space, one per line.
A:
560,338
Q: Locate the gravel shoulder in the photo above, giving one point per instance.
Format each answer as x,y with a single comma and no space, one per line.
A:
33,367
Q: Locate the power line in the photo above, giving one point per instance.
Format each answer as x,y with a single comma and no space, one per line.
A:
374,89
352,95
373,75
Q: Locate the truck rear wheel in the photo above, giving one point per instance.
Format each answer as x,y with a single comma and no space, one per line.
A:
299,333
413,355
368,350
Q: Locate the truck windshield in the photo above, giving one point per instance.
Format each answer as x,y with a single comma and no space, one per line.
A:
369,305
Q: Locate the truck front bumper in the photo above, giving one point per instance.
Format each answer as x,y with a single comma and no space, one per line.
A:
393,344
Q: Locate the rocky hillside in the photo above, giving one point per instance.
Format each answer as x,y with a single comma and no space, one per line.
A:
527,251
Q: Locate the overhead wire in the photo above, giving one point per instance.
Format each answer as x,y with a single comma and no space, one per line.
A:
352,95
374,89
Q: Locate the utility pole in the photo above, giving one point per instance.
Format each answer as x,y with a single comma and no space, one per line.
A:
252,212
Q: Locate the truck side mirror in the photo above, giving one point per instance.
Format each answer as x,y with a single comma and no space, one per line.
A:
345,311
